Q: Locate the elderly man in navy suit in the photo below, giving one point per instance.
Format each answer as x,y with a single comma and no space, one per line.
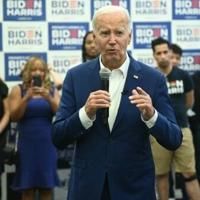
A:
112,156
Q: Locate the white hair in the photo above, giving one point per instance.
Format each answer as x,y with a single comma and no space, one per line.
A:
111,9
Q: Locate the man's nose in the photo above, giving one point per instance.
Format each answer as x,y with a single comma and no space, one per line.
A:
112,38
163,55
93,44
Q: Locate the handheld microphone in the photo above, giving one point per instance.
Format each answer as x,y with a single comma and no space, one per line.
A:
104,75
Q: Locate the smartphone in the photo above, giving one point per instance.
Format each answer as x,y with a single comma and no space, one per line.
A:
37,81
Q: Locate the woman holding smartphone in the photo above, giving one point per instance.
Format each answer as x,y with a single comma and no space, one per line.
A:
33,105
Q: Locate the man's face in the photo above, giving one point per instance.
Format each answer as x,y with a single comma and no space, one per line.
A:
175,59
162,55
112,38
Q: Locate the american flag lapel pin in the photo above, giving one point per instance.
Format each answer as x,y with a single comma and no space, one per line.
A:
135,76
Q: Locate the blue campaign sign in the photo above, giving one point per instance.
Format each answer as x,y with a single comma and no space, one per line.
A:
190,60
67,36
24,10
14,63
186,9
145,32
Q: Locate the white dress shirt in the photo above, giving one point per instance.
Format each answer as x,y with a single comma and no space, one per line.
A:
116,86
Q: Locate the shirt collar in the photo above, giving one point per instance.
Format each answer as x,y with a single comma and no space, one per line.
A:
123,68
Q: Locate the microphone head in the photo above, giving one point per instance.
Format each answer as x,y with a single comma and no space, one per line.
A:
104,73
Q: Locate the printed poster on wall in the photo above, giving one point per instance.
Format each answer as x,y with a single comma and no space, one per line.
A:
145,56
67,36
1,45
1,13
186,9
190,60
14,63
145,32
25,36
68,10
24,10
186,33
96,4
154,10
62,61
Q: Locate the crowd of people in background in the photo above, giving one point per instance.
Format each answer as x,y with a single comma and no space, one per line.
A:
180,90
146,119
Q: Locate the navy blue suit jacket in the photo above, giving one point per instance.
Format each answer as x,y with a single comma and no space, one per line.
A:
123,154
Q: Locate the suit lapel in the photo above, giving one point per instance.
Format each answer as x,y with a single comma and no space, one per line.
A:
94,80
133,80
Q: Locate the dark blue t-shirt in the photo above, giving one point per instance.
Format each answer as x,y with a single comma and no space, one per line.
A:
179,83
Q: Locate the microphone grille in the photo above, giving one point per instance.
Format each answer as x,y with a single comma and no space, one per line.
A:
104,73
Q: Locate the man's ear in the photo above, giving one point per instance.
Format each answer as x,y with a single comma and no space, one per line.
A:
130,34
